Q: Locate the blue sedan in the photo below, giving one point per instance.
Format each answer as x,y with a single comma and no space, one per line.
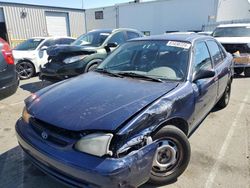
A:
128,122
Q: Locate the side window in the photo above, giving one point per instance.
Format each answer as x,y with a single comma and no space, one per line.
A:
117,38
66,41
49,43
132,35
223,54
214,51
202,58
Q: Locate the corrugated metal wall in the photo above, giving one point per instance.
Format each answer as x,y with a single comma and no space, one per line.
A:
20,26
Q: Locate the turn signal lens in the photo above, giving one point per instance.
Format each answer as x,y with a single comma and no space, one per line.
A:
26,116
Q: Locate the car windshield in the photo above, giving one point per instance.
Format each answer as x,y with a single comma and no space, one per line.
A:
232,32
92,39
30,44
164,60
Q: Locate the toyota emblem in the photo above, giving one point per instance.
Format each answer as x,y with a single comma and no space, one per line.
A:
44,135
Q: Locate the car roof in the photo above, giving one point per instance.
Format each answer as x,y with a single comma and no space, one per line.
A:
176,37
55,37
235,25
113,30
102,30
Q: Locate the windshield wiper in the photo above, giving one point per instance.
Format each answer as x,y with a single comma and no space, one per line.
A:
135,75
105,71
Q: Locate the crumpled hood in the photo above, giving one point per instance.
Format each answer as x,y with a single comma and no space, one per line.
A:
56,50
233,40
95,101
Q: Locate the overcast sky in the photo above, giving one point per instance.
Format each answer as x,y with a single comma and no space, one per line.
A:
71,3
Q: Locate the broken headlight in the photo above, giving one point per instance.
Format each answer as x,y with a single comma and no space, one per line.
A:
74,59
95,144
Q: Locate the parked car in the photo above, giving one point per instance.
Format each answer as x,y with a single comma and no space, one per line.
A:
31,54
84,54
9,79
128,121
236,40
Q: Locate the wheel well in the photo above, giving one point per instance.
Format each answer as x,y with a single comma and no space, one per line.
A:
93,62
177,122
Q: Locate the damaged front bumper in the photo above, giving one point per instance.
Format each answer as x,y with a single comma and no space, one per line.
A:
82,170
56,71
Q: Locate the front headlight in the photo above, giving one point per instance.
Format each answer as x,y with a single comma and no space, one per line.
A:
74,59
95,144
25,115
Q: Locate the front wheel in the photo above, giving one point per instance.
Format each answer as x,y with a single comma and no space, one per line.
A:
25,70
172,155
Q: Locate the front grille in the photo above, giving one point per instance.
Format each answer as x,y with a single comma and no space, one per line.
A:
57,135
232,48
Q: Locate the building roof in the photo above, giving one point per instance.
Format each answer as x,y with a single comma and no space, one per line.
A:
37,5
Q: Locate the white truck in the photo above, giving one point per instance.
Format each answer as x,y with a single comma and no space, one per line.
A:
236,40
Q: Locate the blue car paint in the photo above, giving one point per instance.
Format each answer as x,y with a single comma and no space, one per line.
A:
100,104
142,109
80,169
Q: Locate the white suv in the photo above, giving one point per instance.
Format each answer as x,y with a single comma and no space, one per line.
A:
32,53
236,40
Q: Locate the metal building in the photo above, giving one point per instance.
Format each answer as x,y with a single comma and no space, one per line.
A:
22,21
155,17
161,16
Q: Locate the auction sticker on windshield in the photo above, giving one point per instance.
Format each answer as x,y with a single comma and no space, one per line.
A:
178,44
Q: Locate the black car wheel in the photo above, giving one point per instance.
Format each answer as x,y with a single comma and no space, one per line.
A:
172,155
247,72
238,71
92,67
25,69
223,102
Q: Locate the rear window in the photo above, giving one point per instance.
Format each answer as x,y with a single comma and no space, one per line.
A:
30,44
232,32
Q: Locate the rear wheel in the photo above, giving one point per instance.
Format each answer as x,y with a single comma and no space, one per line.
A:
223,102
247,72
172,155
25,69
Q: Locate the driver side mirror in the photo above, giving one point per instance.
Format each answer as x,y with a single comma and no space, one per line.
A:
202,74
44,48
110,45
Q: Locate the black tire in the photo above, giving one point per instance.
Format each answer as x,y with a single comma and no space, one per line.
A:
92,67
247,72
238,71
224,100
25,70
175,138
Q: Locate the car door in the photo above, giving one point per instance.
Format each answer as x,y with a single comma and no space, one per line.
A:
220,65
205,90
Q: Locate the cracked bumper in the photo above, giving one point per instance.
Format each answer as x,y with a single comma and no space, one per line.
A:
82,170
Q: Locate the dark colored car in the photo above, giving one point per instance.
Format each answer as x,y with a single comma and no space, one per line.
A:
128,121
85,53
9,79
